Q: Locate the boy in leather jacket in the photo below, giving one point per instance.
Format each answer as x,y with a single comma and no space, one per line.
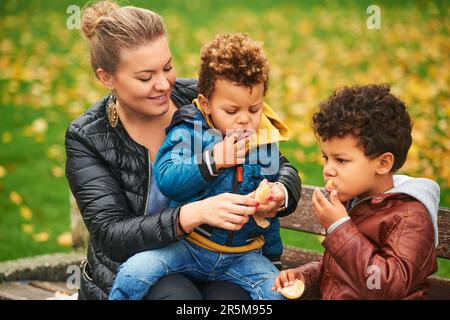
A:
381,228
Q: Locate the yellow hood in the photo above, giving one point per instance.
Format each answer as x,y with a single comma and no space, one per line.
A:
271,128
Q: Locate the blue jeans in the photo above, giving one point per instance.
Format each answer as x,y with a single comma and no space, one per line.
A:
250,270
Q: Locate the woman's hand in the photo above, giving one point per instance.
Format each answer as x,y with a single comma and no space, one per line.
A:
227,211
287,278
276,201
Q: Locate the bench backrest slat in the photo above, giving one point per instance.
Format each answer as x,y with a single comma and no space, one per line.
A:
303,219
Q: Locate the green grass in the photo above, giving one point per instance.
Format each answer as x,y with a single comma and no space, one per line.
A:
45,74
29,174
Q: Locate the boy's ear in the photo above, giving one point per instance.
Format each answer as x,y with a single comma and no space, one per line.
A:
105,78
204,103
385,163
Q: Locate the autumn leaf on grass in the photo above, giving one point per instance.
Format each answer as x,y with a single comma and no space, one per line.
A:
299,155
37,130
57,172
55,153
39,126
26,213
41,237
39,137
6,137
65,239
27,228
15,198
2,172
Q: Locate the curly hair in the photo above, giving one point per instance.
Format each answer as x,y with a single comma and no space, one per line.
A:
371,113
233,57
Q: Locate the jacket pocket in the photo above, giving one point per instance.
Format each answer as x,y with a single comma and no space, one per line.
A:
331,290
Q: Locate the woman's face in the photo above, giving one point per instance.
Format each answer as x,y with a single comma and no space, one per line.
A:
144,79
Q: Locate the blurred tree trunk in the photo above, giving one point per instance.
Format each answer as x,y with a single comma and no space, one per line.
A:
80,235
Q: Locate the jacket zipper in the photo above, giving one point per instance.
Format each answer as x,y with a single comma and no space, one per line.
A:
236,184
149,185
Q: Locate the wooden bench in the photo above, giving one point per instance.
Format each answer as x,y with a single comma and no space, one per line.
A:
23,284
303,219
40,277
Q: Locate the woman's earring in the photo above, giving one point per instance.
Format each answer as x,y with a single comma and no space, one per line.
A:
111,110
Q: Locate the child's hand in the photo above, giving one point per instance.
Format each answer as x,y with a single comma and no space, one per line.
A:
287,278
230,152
328,212
275,201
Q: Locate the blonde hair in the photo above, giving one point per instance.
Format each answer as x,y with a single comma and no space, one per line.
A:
109,28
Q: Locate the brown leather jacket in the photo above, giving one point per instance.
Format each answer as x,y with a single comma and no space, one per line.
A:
386,251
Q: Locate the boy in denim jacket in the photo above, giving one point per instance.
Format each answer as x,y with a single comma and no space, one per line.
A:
381,228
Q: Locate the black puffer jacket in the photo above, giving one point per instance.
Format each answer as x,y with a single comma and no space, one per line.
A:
108,176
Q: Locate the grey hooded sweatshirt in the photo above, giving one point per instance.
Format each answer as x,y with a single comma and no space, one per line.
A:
425,190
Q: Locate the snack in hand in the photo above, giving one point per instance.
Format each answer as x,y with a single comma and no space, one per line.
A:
262,195
263,192
330,185
261,221
294,291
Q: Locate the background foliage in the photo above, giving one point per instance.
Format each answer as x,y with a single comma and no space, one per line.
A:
314,47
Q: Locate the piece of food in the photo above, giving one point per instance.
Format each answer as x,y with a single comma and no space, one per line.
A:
262,195
294,291
261,221
330,185
263,192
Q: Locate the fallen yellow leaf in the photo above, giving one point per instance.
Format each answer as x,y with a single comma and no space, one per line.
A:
39,137
41,237
27,228
15,197
2,172
7,137
28,131
65,239
39,126
26,213
54,152
57,171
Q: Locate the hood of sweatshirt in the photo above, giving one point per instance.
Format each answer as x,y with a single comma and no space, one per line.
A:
425,190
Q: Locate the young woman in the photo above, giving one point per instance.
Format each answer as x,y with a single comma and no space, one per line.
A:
110,150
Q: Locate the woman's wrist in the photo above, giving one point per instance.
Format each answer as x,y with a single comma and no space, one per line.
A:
188,218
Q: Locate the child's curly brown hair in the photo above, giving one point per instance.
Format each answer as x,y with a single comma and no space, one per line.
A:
233,57
377,118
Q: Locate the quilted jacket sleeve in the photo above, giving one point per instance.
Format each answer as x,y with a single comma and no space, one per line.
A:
100,198
288,175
